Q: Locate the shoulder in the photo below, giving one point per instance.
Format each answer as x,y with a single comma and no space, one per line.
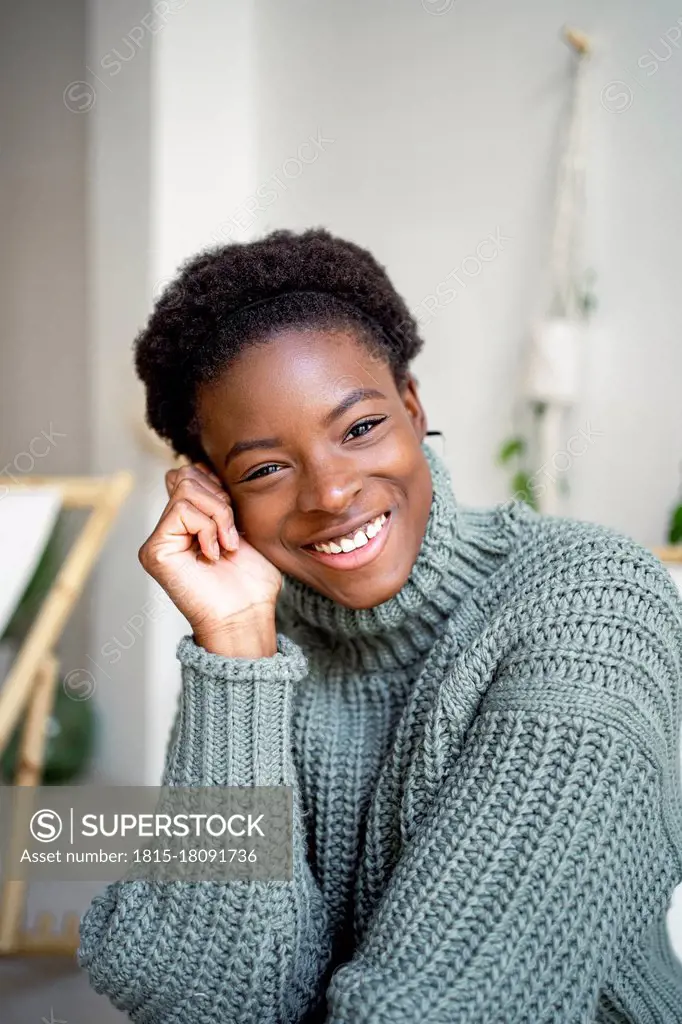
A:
581,567
588,621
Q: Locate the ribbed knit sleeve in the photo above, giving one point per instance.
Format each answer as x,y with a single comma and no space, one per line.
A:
522,882
212,952
542,846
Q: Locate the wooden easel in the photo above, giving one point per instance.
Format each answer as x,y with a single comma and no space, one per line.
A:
33,677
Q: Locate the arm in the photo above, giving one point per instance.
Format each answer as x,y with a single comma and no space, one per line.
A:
550,848
240,951
540,854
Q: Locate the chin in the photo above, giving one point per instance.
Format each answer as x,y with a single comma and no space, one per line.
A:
368,594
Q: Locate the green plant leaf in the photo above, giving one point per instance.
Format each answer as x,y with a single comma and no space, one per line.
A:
521,489
675,531
514,446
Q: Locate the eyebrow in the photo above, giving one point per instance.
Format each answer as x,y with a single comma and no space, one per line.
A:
349,400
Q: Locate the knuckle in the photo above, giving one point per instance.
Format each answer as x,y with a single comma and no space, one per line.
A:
184,484
182,475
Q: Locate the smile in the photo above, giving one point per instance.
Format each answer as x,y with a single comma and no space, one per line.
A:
353,550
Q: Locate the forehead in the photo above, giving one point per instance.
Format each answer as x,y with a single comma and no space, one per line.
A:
308,350
294,371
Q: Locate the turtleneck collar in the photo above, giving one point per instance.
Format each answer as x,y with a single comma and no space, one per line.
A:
460,547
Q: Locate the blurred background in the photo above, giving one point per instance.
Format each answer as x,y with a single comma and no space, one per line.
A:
432,132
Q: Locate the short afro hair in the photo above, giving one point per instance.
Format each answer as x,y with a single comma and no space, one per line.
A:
232,296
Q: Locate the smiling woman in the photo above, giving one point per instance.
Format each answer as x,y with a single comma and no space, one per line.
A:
477,710
283,365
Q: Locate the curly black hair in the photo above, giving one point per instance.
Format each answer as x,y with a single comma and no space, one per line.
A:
232,296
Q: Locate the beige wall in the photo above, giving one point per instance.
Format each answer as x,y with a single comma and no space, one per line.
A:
44,355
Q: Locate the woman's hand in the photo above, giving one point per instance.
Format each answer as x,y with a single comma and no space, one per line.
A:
224,587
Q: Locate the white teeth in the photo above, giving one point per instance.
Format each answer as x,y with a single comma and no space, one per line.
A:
357,540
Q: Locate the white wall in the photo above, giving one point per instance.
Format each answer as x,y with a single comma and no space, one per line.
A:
115,100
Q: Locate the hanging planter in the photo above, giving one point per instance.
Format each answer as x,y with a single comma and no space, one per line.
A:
555,360
552,371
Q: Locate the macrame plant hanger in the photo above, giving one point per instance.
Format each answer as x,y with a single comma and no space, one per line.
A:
552,372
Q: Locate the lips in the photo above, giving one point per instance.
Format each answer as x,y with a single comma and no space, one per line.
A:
358,555
352,539
350,528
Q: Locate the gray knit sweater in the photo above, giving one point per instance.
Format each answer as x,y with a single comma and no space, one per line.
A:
487,803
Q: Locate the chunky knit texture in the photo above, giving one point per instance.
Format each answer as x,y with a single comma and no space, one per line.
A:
487,801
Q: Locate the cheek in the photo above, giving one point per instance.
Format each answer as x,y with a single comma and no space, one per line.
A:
421,488
260,522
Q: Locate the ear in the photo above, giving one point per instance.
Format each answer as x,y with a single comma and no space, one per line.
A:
412,403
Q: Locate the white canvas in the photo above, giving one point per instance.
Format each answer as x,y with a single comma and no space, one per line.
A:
27,519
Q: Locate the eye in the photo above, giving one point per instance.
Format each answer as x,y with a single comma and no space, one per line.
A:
370,423
256,475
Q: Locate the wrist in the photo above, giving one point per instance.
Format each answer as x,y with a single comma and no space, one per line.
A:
250,634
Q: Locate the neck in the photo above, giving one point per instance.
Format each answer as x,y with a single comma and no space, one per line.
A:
460,547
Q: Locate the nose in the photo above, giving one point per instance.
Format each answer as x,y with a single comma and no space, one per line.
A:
329,487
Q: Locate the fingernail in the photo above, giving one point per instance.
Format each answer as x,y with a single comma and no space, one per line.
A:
215,548
233,535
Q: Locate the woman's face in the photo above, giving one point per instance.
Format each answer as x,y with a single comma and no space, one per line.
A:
313,441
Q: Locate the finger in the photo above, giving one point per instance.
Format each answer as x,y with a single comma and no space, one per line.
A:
185,519
214,503
190,481
206,474
209,472
192,472
169,480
